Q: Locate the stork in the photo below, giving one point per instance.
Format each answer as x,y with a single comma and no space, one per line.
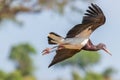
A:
78,38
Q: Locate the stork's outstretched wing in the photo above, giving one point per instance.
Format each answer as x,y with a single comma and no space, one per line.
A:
62,55
94,18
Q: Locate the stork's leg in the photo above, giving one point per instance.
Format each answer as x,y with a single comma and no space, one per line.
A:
48,50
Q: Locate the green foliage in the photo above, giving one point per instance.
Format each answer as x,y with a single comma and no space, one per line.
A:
93,76
29,78
108,72
76,76
14,76
88,58
21,55
83,59
3,75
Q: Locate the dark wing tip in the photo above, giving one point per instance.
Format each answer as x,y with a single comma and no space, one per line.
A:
51,64
97,8
94,10
94,14
62,55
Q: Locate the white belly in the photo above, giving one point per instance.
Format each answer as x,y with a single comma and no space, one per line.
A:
84,42
75,43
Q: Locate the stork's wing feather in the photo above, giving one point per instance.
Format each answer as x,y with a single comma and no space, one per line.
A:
62,55
77,30
93,17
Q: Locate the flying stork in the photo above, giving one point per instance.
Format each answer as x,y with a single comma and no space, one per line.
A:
78,38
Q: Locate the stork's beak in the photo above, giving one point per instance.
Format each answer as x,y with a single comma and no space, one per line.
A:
106,50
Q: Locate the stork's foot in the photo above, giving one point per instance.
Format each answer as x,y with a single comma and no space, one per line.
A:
46,51
49,50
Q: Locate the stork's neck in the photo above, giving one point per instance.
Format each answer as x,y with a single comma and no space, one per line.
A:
90,47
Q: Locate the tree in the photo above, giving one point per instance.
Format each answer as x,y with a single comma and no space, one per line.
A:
76,76
107,73
16,75
9,11
3,75
93,76
20,54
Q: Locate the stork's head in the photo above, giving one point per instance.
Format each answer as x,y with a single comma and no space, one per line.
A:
103,47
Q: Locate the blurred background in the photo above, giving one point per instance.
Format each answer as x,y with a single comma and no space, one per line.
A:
25,24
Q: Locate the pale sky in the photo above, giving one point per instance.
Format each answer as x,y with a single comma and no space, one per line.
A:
36,28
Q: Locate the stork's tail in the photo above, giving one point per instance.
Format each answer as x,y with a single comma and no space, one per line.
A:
54,38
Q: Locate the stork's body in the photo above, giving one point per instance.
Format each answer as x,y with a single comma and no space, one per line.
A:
78,37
